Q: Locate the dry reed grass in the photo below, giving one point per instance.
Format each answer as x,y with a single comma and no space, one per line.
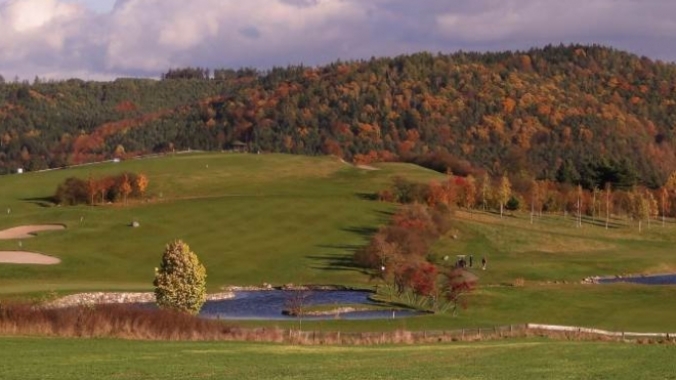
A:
135,323
118,321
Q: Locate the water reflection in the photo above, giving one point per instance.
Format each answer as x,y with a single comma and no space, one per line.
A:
269,305
664,279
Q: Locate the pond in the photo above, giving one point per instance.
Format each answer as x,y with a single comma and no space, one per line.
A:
662,279
270,304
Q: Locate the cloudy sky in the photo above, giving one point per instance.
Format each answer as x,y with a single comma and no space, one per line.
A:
103,39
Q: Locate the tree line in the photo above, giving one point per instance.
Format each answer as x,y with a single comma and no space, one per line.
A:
574,114
498,194
109,189
398,254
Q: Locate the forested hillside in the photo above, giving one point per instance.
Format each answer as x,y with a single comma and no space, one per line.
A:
577,114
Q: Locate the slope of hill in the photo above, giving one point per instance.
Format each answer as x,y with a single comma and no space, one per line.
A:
251,219
292,219
585,114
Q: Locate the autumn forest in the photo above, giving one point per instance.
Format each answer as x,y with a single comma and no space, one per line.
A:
586,116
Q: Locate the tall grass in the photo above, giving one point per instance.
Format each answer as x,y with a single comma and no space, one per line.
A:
138,323
99,321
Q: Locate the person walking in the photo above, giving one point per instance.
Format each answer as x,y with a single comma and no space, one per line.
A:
483,263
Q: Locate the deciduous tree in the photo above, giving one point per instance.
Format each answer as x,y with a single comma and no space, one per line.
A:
180,281
503,192
608,193
141,183
125,187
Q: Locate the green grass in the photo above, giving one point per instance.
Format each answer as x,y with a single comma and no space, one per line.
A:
250,218
621,307
289,219
35,358
552,249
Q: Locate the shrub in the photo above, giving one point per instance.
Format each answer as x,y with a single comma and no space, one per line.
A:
180,281
72,191
513,204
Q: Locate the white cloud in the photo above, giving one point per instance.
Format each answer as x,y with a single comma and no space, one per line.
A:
25,15
61,38
153,35
552,20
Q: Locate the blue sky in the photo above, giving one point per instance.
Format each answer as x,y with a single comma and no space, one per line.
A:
104,39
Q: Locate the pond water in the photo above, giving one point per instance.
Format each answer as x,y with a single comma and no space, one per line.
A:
663,279
269,305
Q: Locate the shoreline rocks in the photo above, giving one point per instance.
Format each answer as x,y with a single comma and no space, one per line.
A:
99,298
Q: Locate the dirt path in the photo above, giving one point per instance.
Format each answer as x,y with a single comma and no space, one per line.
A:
24,232
22,257
363,167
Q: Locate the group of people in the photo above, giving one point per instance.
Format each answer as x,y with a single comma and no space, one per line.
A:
462,263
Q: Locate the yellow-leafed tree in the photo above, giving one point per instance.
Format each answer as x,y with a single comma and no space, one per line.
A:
141,183
181,280
504,191
125,187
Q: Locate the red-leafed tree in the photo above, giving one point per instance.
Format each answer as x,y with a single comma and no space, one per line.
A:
421,278
458,283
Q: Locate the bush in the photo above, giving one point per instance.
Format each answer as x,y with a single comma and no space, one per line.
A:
72,191
513,204
180,282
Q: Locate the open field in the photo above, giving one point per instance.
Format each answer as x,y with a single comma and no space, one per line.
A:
251,219
41,358
289,219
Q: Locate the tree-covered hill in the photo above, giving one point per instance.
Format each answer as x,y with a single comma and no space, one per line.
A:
579,114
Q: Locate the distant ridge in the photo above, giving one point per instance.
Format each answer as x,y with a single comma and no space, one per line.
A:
577,114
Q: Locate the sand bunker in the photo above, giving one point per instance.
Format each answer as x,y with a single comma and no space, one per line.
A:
24,232
21,257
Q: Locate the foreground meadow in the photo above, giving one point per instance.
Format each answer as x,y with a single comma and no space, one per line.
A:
35,358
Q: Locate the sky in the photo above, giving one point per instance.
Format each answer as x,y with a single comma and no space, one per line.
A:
105,39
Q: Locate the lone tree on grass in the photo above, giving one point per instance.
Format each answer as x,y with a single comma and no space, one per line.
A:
180,281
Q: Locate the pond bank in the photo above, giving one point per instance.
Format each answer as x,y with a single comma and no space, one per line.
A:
97,298
650,279
261,304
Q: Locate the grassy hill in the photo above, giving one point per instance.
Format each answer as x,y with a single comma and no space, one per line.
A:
250,218
281,218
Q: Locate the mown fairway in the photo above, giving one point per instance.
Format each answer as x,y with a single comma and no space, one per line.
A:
28,358
250,218
280,219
